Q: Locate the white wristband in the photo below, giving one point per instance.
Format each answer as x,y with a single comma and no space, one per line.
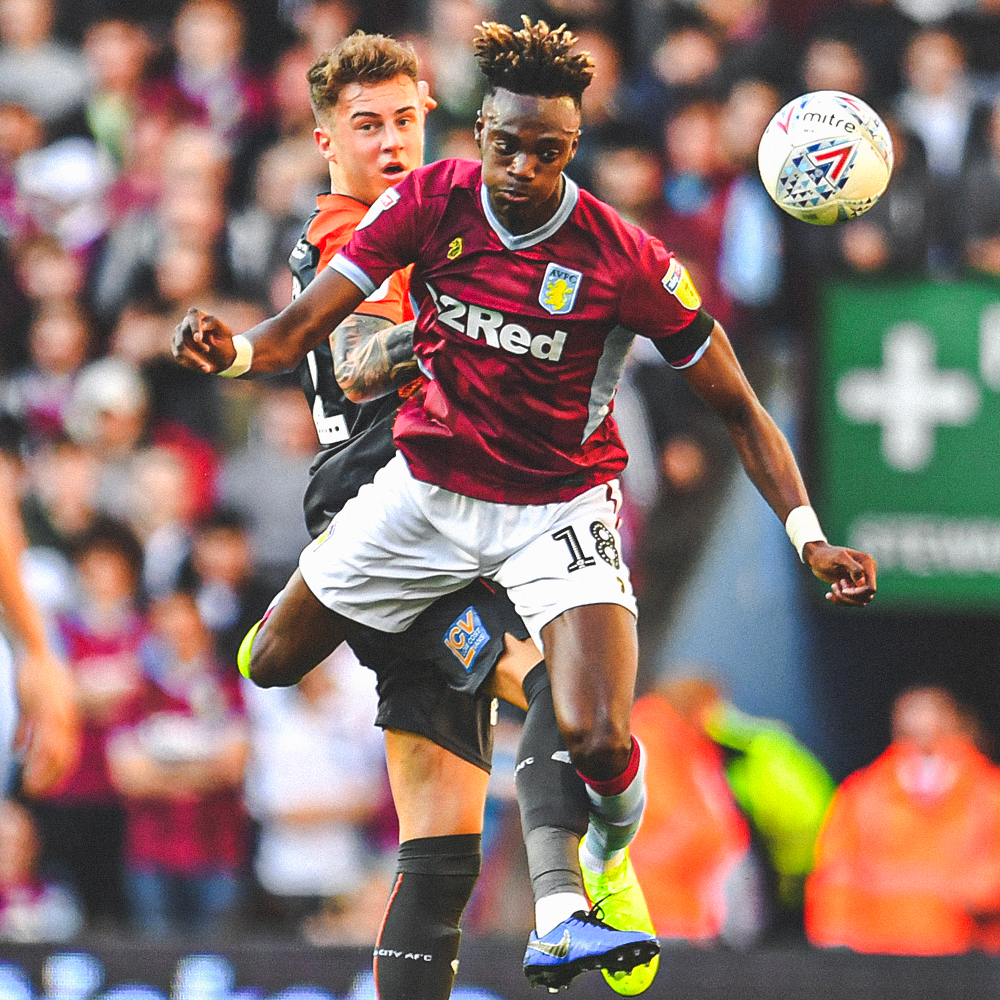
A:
243,360
802,525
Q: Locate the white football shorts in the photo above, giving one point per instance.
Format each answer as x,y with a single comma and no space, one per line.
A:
401,543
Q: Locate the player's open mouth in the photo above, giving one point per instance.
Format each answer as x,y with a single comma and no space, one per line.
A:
393,169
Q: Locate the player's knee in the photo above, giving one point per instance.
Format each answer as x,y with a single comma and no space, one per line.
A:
262,659
598,748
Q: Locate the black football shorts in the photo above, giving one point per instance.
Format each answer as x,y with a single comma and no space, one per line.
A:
430,678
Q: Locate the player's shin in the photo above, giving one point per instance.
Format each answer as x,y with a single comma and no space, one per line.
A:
554,808
416,956
616,808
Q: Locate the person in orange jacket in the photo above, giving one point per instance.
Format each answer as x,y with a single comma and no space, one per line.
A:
733,773
693,836
908,861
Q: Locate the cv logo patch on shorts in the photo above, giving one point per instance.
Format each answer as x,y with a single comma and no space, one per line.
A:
466,637
605,544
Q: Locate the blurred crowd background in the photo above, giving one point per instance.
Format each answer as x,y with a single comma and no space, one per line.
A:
158,155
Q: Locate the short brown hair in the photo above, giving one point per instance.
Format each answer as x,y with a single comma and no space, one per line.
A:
359,58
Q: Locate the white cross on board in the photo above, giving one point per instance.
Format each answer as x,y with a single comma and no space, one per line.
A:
909,396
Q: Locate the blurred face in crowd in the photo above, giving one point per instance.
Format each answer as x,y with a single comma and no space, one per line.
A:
599,97
994,132
59,342
750,106
107,575
526,141
46,271
176,620
693,139
290,90
374,137
223,553
208,35
834,65
934,63
686,56
924,717
628,179
20,132
116,54
25,23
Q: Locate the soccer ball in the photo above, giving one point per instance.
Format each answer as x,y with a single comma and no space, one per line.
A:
825,157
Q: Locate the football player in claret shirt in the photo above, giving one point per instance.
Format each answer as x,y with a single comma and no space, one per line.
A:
528,293
437,679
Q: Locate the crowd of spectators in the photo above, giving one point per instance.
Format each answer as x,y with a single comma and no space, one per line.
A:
155,156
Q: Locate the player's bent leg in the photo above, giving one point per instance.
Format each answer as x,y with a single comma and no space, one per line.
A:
554,807
592,656
297,633
593,703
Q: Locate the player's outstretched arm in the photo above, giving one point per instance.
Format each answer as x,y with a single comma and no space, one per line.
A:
204,343
372,358
718,378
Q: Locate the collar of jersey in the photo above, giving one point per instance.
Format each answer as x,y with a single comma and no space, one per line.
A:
570,195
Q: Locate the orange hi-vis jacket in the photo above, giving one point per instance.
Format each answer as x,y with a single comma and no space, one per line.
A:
692,833
908,861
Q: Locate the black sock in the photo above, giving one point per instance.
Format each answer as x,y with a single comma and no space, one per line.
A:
416,956
552,798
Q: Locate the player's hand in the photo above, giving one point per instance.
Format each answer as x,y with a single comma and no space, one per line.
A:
49,730
203,343
851,574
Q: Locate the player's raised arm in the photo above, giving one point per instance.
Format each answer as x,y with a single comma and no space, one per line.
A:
718,378
204,343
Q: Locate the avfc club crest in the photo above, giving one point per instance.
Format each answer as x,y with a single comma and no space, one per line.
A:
559,288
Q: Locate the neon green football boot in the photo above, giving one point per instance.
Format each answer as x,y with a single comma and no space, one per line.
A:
619,895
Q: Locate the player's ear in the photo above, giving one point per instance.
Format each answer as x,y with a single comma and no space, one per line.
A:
478,129
574,146
324,142
424,93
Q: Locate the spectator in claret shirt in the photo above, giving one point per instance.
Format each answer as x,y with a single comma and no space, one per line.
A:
82,822
178,761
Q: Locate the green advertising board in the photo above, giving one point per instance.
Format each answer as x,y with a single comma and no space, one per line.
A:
909,437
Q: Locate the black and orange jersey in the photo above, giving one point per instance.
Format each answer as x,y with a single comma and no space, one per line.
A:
355,438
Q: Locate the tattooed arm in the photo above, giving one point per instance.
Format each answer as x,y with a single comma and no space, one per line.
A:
371,357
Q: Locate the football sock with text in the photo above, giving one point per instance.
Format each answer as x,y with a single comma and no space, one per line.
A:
416,956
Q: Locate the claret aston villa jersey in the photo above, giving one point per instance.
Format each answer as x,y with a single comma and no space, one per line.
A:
522,338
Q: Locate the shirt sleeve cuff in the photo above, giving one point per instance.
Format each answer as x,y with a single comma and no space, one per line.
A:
353,273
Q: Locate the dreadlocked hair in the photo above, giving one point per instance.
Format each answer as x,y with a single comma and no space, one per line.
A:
535,60
359,58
